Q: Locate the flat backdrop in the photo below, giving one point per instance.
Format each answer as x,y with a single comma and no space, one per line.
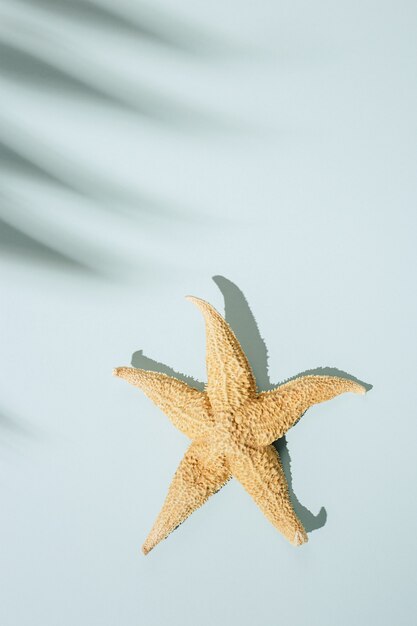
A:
144,150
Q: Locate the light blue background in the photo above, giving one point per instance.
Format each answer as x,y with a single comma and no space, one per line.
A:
274,144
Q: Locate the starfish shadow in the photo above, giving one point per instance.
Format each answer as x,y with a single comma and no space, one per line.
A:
141,361
240,317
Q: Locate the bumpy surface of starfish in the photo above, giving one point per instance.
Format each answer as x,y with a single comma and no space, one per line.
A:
232,428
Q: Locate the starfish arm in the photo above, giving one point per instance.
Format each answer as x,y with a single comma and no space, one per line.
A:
274,412
187,408
230,378
197,478
260,472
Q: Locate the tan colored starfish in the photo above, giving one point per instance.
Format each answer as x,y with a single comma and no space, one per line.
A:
232,428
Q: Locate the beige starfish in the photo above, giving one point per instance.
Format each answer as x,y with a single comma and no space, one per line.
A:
232,428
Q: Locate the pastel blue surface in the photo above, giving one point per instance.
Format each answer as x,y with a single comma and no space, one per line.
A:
145,149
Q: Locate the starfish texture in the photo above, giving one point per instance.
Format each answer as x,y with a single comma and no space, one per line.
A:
232,427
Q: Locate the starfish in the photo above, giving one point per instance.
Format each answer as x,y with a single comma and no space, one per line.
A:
232,427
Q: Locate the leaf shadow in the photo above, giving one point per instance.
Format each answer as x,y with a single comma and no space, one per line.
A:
25,61
16,242
12,426
26,157
69,72
32,70
150,23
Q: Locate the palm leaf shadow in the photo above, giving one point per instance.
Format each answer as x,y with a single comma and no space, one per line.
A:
161,30
41,73
18,243
22,155
31,68
82,79
26,63
14,425
11,159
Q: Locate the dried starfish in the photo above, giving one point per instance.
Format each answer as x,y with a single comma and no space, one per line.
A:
232,428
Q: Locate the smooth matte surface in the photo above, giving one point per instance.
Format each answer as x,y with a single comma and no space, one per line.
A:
142,152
